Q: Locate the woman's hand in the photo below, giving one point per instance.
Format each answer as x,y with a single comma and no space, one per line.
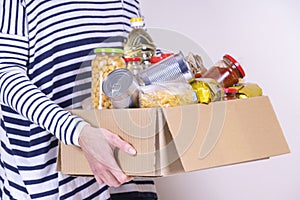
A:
98,146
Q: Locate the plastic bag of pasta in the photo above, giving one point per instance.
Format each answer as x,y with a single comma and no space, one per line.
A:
167,94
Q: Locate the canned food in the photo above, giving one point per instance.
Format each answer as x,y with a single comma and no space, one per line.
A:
106,60
171,68
122,88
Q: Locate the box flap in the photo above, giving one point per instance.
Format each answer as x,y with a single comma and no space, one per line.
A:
167,157
225,132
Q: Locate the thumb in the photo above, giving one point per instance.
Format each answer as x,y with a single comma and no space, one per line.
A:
116,141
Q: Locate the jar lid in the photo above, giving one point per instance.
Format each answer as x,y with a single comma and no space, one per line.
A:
165,55
230,90
238,66
134,59
109,50
155,59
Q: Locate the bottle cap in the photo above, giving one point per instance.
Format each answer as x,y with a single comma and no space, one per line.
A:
235,63
134,59
230,90
137,21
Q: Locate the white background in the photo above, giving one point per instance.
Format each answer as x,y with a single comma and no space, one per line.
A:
264,36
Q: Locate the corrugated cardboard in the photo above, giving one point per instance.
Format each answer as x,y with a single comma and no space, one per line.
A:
185,138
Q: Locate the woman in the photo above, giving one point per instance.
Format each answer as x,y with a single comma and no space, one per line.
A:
45,52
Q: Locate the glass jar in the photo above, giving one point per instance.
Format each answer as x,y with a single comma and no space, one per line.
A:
207,90
106,60
227,71
134,65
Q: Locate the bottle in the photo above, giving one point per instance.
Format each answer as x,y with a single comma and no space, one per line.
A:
134,65
230,94
227,72
106,61
139,43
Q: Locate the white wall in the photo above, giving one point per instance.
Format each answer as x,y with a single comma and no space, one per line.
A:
264,35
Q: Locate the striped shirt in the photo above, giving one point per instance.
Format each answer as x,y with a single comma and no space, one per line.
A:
45,57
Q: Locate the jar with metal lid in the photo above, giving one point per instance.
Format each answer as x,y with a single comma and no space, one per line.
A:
227,71
106,61
134,65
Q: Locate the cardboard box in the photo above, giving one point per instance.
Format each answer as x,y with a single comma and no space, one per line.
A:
185,138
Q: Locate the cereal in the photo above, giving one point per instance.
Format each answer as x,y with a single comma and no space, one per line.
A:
106,60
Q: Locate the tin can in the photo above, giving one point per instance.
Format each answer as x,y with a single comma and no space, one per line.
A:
171,68
122,88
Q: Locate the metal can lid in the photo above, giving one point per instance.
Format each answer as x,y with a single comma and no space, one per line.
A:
109,50
235,63
117,82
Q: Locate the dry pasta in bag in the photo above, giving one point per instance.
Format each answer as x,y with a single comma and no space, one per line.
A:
167,94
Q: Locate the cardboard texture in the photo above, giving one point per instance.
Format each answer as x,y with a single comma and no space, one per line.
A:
185,138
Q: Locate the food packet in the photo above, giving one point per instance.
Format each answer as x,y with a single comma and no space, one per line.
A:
167,94
246,90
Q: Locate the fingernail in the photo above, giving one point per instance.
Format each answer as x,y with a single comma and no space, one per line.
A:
132,151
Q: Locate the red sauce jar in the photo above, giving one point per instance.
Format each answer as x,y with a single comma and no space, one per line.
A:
227,71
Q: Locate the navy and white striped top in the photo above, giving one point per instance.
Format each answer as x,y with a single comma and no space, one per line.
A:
45,58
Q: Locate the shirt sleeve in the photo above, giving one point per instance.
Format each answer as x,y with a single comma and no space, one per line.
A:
16,89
